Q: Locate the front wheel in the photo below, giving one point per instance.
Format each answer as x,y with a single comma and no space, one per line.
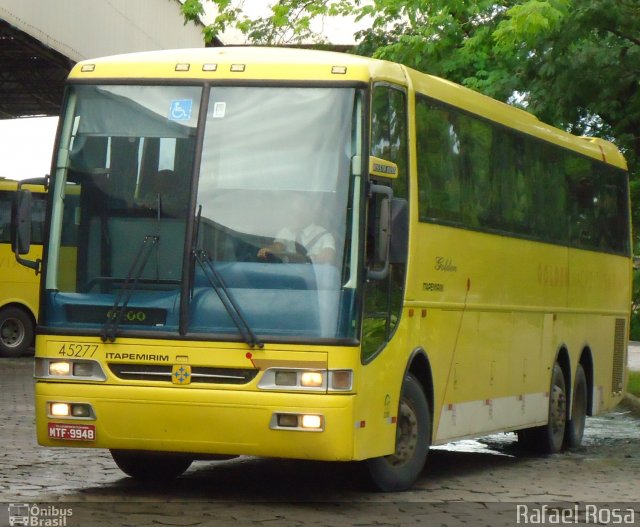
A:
400,470
16,331
151,466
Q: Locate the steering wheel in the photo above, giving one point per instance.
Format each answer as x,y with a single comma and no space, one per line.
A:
298,256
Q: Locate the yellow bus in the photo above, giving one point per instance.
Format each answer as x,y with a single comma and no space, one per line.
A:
19,286
313,255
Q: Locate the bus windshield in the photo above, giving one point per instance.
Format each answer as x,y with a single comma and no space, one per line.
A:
259,237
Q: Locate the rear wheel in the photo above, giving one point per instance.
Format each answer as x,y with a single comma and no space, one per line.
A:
575,426
151,466
16,331
549,439
398,471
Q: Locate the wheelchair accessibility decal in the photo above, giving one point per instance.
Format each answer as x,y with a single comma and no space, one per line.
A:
180,110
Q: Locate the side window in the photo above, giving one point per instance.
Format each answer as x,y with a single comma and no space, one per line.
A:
389,132
513,188
582,188
599,206
477,178
483,175
612,210
439,164
455,176
383,298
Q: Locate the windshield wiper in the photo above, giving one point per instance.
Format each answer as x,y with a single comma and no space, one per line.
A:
229,303
115,314
221,289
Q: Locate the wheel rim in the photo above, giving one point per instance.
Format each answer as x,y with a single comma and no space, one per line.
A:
406,436
12,333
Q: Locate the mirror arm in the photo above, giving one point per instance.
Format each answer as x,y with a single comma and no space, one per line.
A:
36,265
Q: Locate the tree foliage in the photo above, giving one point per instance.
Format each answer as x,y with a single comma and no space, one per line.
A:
573,63
288,21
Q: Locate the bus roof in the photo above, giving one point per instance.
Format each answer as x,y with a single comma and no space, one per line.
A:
12,185
239,63
271,64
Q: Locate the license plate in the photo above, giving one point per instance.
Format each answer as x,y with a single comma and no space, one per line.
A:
72,432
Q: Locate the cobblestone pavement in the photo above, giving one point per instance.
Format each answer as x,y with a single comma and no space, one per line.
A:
486,482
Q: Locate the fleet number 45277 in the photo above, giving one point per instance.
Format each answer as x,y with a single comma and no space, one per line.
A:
81,351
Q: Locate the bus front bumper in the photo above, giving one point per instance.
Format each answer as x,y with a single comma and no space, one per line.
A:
199,421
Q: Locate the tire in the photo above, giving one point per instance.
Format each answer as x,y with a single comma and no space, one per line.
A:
575,427
400,470
16,331
549,439
151,466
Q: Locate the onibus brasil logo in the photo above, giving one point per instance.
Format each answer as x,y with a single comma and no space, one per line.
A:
38,515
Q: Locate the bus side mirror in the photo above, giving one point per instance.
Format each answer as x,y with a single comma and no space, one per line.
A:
21,228
21,222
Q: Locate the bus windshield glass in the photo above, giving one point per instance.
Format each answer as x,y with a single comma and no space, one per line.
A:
264,244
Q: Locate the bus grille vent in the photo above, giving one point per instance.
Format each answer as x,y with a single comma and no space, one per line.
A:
199,374
619,355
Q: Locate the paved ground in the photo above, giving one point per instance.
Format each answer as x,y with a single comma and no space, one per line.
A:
486,482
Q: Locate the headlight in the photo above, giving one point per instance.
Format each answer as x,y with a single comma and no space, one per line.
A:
297,422
60,409
70,410
312,379
85,370
62,368
307,380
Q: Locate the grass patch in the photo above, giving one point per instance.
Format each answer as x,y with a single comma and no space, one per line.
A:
633,386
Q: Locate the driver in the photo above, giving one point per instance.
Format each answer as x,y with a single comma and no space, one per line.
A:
312,240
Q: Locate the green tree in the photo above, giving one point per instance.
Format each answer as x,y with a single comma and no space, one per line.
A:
288,21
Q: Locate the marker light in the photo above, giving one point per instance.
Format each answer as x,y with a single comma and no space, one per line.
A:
59,368
60,409
209,67
339,70
182,67
311,379
341,380
88,68
237,68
